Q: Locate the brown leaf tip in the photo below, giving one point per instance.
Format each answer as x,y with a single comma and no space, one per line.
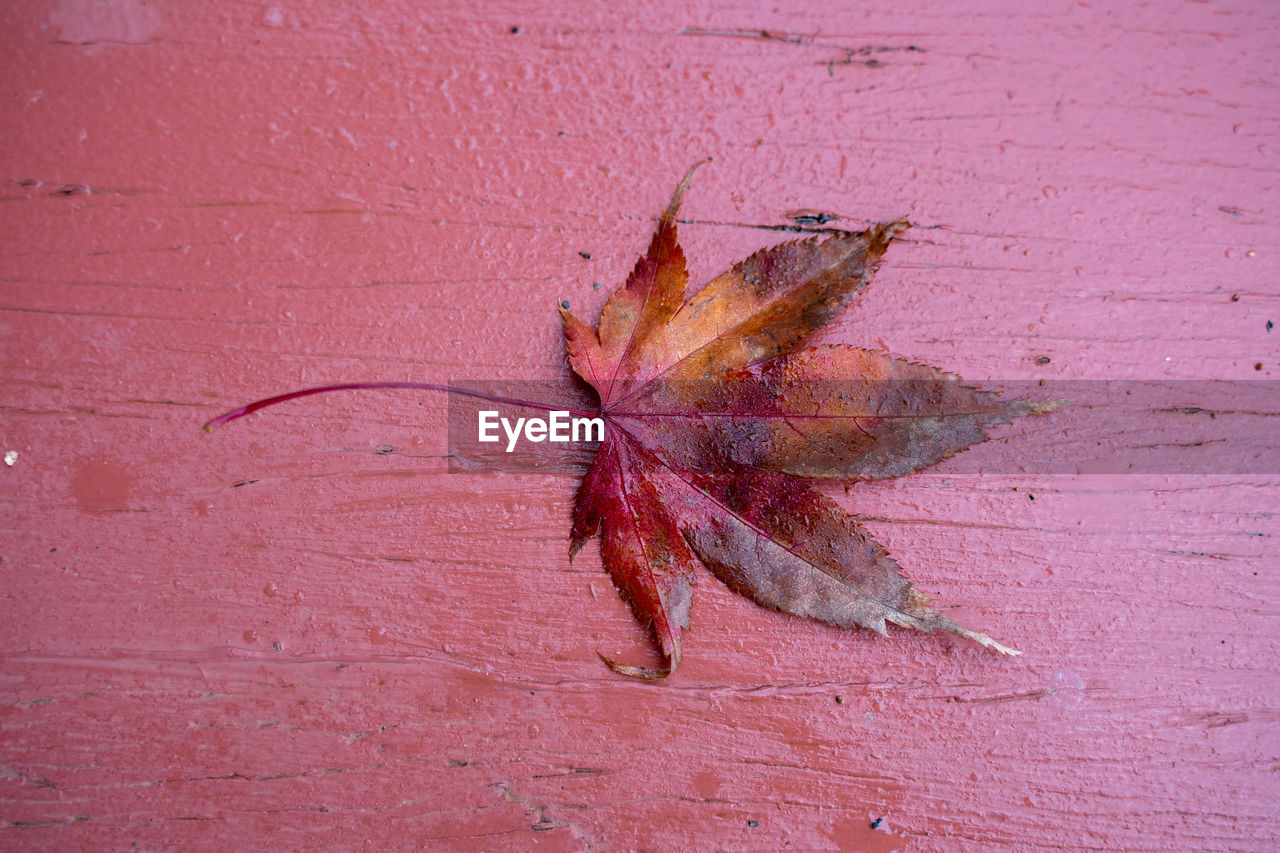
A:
636,671
678,198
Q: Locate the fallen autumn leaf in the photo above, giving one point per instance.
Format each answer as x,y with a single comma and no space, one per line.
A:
717,419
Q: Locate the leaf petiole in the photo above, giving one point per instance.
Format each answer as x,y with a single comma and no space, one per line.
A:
234,414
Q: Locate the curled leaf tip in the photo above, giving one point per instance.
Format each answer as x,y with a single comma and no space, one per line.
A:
636,671
984,640
678,198
896,227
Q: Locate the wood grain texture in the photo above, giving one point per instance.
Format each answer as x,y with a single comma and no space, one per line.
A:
303,632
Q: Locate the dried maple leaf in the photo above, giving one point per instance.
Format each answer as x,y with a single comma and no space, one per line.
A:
715,418
716,421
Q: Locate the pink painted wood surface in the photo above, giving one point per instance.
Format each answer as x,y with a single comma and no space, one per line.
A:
302,632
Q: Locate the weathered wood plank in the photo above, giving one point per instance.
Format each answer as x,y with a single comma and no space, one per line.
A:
303,632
